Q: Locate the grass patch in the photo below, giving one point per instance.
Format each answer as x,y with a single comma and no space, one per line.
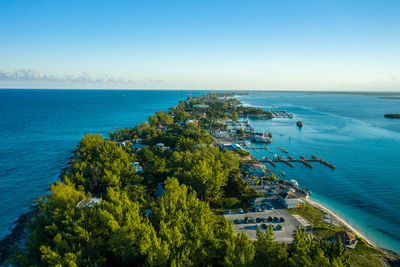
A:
308,212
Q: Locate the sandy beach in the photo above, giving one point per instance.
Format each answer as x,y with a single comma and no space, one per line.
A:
340,220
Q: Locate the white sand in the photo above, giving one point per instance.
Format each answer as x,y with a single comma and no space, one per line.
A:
340,220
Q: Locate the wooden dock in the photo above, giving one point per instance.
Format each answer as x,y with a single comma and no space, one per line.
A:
284,150
323,162
302,160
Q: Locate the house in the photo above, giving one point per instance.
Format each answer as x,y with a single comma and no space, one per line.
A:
258,170
347,238
221,134
290,200
191,122
139,169
137,140
123,143
90,202
231,147
200,106
137,146
162,146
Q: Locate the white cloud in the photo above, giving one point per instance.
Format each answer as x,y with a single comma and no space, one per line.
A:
27,78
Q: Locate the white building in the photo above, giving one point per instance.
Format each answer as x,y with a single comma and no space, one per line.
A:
290,200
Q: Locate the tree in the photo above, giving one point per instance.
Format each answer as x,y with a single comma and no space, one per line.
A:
268,251
240,251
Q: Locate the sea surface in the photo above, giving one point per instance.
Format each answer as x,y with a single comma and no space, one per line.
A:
40,128
350,132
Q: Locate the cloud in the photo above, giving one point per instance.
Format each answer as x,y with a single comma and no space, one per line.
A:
26,75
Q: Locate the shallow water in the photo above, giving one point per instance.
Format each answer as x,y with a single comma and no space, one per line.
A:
350,132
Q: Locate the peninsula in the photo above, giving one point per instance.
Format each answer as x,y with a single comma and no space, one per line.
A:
183,189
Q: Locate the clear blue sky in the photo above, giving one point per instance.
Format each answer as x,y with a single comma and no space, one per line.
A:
290,44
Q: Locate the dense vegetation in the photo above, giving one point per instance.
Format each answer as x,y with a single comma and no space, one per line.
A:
133,226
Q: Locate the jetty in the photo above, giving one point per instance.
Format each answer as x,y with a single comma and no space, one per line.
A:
289,161
323,162
284,150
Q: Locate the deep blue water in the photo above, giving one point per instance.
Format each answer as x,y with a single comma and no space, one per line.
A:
39,129
351,132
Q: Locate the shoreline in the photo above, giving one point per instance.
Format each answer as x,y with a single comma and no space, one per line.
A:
340,220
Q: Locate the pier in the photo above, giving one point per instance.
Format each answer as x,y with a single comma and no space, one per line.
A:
284,150
323,162
302,160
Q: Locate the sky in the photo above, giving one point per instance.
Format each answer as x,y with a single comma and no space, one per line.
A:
201,44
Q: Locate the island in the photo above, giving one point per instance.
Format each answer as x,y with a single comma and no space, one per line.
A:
183,189
392,116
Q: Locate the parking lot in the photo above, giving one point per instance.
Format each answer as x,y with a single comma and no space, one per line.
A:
289,225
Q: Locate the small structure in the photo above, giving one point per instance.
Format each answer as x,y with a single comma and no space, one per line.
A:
191,122
139,169
220,134
231,147
162,146
200,106
123,143
137,146
347,238
290,200
89,202
160,190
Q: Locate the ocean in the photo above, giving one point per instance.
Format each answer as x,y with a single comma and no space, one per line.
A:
40,128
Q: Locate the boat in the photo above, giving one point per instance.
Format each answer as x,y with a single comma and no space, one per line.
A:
299,123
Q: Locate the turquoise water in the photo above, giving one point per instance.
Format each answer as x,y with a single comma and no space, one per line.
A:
351,132
39,129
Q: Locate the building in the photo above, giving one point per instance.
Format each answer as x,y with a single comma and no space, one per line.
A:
347,238
200,106
220,134
137,146
191,122
290,200
139,169
162,146
90,202
231,147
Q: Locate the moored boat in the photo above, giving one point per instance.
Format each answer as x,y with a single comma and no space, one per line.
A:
299,123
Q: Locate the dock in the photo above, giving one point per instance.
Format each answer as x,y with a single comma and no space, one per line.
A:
323,162
284,150
302,160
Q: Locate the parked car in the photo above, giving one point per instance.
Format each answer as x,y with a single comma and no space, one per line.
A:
237,221
278,227
264,226
228,212
240,211
258,220
246,219
270,219
259,210
282,219
276,219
